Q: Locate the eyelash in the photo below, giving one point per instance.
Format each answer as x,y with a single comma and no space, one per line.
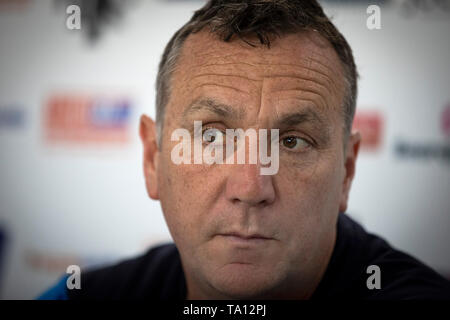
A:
308,143
205,128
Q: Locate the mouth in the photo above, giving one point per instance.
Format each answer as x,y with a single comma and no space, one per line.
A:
240,238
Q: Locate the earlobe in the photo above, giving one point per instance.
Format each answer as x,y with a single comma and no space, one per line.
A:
351,155
147,132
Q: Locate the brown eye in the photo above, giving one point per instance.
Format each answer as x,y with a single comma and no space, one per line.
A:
295,143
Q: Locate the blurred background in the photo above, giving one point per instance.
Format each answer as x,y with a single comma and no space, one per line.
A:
71,184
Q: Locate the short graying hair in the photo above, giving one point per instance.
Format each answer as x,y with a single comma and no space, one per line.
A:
262,19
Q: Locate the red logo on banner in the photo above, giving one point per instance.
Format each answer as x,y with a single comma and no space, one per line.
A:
85,119
370,125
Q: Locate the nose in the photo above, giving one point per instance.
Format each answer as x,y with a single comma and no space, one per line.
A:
246,185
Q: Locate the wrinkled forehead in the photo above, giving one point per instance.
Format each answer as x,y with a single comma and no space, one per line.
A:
295,64
305,49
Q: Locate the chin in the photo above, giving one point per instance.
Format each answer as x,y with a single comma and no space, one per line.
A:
245,281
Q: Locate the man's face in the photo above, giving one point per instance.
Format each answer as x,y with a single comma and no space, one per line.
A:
242,234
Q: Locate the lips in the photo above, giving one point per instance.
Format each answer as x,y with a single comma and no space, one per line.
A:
245,238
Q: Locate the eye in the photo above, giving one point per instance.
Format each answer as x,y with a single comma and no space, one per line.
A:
211,135
295,143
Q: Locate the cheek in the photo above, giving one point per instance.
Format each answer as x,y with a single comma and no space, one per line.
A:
173,184
187,194
311,193
309,201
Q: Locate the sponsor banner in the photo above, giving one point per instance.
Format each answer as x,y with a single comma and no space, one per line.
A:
370,124
431,150
11,117
84,119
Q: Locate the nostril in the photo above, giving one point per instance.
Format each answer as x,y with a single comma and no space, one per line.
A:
263,203
251,202
247,186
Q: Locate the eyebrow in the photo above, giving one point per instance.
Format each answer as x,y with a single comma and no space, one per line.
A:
307,115
213,106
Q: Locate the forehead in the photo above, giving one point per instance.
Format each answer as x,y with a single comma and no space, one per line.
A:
302,65
204,46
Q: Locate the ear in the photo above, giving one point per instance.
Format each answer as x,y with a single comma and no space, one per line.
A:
147,131
350,155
